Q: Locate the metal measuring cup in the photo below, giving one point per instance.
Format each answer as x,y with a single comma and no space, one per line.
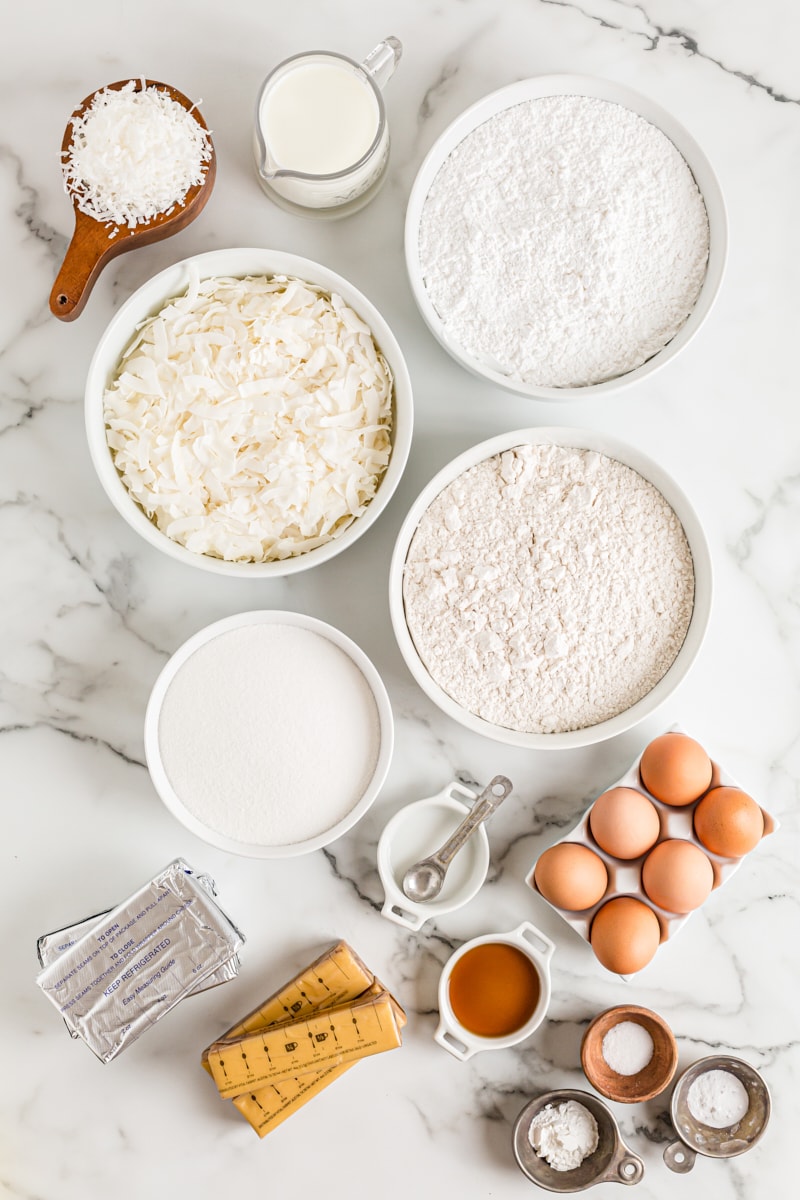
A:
696,1138
611,1162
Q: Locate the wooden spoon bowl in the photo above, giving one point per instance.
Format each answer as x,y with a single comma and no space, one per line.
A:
647,1083
94,243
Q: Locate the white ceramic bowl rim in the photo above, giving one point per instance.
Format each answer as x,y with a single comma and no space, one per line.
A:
536,88
148,300
159,776
581,439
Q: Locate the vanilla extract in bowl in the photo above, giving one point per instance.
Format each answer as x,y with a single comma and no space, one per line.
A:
494,989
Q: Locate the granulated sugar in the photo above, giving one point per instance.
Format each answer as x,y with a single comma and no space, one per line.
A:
563,242
548,588
269,734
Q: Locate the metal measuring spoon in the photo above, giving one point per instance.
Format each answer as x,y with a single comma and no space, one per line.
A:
425,879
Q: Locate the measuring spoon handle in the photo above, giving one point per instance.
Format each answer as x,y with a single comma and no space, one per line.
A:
489,800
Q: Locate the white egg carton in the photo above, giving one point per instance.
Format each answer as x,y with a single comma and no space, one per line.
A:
625,876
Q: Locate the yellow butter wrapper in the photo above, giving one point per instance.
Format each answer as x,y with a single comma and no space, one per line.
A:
335,977
268,1107
327,1038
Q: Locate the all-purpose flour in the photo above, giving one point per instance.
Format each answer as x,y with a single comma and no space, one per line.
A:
548,588
564,1135
563,242
269,734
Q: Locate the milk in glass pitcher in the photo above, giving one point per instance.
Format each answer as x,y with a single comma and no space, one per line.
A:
321,140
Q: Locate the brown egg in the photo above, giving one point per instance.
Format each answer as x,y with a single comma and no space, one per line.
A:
571,876
677,875
624,823
625,934
675,769
728,822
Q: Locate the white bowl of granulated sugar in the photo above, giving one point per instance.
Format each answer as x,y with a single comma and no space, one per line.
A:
268,734
550,587
565,237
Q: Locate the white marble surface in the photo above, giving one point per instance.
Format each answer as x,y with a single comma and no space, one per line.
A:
89,614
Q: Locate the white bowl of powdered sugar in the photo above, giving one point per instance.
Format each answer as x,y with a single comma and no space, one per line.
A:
269,734
550,587
565,236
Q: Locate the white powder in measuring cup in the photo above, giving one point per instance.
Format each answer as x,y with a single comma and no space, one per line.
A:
269,734
564,1135
563,242
627,1048
548,588
718,1099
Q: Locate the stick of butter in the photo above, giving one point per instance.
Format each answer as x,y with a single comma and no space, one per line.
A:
336,976
330,1037
266,1108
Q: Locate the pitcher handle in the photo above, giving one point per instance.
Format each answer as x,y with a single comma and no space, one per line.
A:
381,63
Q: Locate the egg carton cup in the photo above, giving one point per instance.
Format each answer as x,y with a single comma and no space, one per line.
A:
625,875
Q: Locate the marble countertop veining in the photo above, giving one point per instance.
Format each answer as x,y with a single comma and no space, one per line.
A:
89,614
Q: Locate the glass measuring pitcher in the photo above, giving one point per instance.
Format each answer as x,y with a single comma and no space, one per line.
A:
321,140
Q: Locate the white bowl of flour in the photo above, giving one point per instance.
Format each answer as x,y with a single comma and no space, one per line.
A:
550,587
565,236
268,734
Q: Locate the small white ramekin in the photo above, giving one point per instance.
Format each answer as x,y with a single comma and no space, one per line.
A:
461,1042
581,439
601,89
147,301
176,804
417,831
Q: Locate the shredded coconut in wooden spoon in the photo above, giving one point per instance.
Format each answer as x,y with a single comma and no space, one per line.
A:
134,154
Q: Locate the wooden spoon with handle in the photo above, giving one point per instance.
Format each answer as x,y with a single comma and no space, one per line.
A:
94,243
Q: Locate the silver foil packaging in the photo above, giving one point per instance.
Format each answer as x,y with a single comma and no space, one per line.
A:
126,968
51,945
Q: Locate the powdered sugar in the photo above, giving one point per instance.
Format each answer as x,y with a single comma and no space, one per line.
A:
548,588
563,242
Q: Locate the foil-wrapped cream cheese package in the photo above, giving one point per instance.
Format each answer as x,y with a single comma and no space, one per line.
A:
133,965
51,946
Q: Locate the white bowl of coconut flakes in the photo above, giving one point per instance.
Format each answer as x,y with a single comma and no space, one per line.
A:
249,412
